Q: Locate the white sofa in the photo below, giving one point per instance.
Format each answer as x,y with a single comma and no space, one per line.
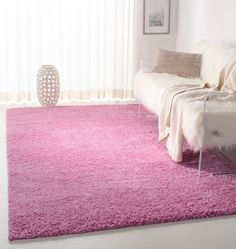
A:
220,128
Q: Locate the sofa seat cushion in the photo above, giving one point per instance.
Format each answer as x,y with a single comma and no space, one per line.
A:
149,87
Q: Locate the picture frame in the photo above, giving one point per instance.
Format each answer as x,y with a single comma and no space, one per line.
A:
156,17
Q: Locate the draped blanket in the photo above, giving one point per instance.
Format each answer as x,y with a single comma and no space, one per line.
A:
173,101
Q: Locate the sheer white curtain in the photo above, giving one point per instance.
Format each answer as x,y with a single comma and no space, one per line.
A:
89,41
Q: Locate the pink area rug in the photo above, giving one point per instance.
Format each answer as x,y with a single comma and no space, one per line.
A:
80,169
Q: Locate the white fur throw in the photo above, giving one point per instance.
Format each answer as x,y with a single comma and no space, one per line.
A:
220,118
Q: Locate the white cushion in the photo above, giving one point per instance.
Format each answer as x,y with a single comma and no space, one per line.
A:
149,87
215,56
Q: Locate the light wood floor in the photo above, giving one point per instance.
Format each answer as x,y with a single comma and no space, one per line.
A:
217,233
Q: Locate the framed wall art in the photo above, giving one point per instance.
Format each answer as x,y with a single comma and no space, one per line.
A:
156,17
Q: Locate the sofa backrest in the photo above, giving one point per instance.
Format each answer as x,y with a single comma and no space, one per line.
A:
215,57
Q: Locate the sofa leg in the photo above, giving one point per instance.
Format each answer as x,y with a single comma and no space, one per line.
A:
204,122
139,109
200,163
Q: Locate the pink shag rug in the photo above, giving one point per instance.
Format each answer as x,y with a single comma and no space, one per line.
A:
80,169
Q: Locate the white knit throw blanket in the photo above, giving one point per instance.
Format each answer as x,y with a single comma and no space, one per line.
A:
172,103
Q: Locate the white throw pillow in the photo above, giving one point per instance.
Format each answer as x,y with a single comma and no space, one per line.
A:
215,57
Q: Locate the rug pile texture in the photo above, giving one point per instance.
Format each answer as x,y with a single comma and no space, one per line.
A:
89,168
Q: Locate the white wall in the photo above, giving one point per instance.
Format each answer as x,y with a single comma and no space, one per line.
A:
146,45
212,20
